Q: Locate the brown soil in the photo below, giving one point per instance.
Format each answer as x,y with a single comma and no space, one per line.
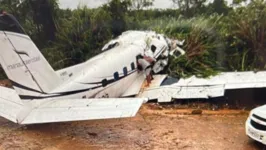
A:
155,127
5,83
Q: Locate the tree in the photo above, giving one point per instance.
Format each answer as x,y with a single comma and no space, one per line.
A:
140,4
118,10
246,37
38,17
44,13
190,7
9,5
14,7
237,3
219,7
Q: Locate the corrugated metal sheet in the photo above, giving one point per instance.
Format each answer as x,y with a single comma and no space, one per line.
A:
211,87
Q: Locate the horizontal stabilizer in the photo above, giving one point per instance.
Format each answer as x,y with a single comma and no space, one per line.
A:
10,104
81,109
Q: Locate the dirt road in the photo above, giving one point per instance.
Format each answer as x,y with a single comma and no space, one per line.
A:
152,128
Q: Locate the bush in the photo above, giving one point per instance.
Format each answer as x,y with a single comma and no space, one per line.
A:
246,37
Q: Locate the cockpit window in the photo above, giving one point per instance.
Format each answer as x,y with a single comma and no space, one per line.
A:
153,48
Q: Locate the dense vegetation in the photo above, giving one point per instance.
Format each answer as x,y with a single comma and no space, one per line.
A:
218,37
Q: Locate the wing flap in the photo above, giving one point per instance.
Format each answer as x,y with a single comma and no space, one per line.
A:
82,109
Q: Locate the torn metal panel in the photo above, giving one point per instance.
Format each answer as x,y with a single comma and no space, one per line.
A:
231,80
167,93
211,87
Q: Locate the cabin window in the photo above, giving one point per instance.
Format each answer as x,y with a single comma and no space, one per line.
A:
125,71
133,66
104,82
116,76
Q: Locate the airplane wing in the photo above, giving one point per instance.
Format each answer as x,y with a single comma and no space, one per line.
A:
79,109
193,87
64,110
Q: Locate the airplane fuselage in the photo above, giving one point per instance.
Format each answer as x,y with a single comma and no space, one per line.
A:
107,75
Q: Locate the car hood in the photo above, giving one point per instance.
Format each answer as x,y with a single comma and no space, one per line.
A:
260,111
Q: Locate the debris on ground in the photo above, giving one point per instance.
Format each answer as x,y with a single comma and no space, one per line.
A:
196,112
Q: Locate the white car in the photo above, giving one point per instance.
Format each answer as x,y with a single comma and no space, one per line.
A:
256,124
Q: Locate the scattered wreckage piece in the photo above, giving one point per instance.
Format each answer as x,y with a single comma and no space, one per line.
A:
215,86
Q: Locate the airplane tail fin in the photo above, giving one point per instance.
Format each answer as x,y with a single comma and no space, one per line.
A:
22,62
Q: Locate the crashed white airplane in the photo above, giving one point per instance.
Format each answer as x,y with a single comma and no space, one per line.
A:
103,86
97,89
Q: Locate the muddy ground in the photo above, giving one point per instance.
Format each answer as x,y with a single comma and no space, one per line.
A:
155,127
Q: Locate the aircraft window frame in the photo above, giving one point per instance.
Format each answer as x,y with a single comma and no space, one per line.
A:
125,71
116,76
